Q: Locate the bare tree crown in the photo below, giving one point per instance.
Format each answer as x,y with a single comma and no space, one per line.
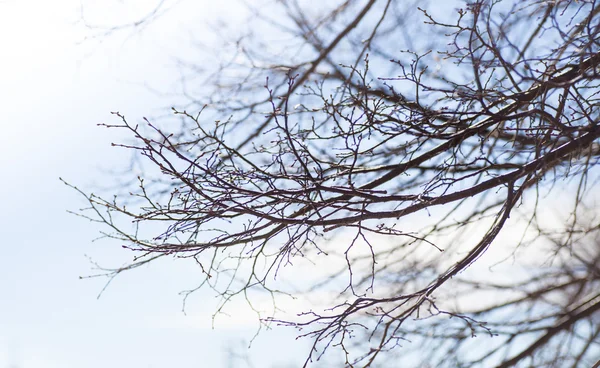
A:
399,141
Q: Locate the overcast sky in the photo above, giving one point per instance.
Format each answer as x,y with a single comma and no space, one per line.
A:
56,85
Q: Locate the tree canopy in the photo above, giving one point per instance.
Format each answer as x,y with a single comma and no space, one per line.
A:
431,167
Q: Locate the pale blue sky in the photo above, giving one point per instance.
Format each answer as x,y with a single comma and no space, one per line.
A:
53,91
